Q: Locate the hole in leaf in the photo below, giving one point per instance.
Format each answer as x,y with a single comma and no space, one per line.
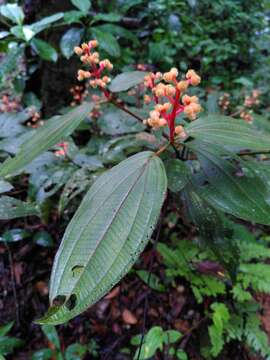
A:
71,303
77,270
59,300
49,187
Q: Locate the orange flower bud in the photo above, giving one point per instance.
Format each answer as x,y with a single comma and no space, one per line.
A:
193,77
78,51
179,130
182,85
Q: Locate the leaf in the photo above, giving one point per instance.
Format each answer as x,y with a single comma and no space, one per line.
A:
24,32
69,40
153,341
177,173
75,351
228,132
5,186
221,317
42,354
233,186
44,23
10,61
44,50
8,344
13,12
14,235
106,235
171,336
51,335
127,80
111,17
152,281
73,16
83,5
10,123
45,137
107,42
212,231
11,208
43,238
4,329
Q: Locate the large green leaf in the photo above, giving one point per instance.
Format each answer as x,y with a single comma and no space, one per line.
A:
11,208
127,80
233,185
106,235
50,134
228,132
69,40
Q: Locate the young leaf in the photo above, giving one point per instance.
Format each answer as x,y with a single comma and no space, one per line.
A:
227,132
13,12
127,80
69,40
44,50
50,134
83,5
11,208
106,235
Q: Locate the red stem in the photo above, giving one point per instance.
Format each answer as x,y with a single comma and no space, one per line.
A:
172,117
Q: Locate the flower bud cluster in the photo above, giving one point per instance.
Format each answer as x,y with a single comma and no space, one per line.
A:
167,92
96,66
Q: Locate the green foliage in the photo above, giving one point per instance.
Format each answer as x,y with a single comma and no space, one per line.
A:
46,137
240,322
220,318
7,343
155,339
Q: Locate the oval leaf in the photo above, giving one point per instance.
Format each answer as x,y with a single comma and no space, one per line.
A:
232,186
127,80
69,40
227,131
48,135
44,50
13,12
106,235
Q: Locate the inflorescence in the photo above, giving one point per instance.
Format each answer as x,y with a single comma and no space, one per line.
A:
167,93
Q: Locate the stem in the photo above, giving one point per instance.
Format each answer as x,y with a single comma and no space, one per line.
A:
163,148
173,115
122,107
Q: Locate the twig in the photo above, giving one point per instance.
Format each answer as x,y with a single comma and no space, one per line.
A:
13,283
